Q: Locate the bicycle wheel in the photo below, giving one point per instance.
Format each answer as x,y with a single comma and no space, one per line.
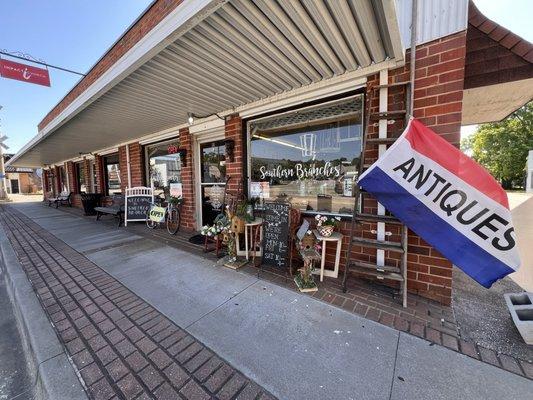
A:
173,221
149,223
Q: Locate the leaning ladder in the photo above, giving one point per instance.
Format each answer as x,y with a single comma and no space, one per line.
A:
379,270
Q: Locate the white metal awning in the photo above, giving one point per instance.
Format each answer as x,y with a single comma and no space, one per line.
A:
212,56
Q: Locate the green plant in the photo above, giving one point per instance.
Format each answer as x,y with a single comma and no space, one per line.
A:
241,211
175,200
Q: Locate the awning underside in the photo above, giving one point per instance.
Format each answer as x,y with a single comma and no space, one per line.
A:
243,52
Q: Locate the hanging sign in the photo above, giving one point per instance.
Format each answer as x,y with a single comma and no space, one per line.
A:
449,200
25,73
176,189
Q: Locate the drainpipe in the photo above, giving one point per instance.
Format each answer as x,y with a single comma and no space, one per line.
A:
414,20
128,166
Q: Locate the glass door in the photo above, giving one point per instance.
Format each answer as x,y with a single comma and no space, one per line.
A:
213,179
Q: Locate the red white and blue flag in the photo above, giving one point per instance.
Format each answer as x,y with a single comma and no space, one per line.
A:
447,199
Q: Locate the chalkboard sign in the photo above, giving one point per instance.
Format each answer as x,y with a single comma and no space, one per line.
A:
138,202
276,234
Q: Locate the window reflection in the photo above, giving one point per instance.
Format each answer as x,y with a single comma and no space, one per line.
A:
308,157
164,168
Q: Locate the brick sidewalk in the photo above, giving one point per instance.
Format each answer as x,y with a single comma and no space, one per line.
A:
122,347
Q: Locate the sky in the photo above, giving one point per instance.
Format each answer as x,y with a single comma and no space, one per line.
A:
74,34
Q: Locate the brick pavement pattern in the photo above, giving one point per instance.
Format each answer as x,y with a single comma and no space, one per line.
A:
122,347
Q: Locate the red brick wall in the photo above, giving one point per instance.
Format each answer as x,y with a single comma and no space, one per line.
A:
188,219
46,183
159,10
99,166
136,164
123,165
439,77
233,131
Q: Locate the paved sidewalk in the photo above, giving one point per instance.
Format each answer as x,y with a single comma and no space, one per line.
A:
295,346
122,347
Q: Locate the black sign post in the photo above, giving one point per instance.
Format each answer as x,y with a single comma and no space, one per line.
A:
276,234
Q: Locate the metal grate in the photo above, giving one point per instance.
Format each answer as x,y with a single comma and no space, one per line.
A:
339,109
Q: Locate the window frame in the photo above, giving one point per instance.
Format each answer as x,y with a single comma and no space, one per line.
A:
79,169
146,157
275,113
106,175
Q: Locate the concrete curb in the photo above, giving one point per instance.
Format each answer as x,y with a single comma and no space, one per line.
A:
53,373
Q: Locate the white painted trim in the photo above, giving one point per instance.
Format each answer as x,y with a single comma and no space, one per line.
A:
171,133
199,138
107,151
206,125
128,164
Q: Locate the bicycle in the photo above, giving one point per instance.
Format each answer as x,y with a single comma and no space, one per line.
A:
170,215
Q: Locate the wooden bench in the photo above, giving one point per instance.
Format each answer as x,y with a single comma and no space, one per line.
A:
116,209
63,199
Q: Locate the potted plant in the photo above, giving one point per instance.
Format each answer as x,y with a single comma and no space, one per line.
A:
326,225
175,200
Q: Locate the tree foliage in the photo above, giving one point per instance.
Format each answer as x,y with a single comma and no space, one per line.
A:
502,147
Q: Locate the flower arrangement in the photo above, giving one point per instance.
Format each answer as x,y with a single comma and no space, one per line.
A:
211,230
221,225
323,220
326,225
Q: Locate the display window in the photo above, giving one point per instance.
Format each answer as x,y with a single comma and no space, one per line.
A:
308,156
164,168
112,174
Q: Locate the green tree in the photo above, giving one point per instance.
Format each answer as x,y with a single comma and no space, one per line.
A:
502,147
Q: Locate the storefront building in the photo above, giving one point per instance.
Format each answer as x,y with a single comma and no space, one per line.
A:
279,93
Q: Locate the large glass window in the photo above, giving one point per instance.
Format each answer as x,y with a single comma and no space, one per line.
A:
80,177
308,156
112,175
164,168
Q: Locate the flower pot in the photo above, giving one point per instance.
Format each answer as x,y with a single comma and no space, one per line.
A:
326,230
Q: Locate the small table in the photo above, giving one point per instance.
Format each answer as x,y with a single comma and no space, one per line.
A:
252,227
335,237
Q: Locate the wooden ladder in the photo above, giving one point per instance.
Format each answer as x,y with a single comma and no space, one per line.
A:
379,270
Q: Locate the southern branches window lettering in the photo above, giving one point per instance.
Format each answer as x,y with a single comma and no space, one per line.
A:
308,156
164,165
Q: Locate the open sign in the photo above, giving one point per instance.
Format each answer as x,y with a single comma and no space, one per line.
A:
157,214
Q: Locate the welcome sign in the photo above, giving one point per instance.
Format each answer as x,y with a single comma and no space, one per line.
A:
447,199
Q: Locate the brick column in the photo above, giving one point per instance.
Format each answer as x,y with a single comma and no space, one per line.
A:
123,165
188,219
99,166
136,164
87,174
233,131
57,174
46,182
71,176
